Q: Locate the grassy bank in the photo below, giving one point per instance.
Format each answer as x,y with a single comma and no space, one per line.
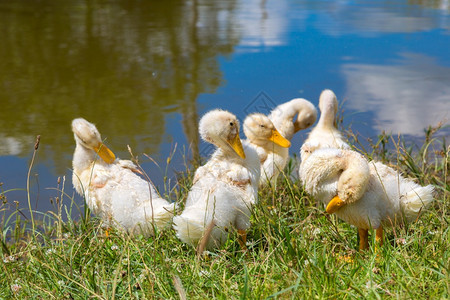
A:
295,250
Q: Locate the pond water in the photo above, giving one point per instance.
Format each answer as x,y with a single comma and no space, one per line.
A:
145,71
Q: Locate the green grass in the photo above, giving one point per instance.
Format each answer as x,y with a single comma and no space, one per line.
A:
295,250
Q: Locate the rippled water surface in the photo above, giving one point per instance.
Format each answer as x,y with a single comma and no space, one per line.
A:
145,71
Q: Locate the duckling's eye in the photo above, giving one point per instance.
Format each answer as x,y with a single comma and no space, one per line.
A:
231,124
262,126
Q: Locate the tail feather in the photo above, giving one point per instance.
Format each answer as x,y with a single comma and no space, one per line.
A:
164,214
189,229
194,226
414,201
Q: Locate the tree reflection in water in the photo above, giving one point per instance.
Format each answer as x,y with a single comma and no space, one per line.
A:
122,65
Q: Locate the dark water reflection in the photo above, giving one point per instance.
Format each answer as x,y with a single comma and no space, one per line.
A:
144,71
123,65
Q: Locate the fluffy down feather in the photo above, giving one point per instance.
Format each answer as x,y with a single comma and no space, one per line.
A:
374,193
324,134
112,190
224,189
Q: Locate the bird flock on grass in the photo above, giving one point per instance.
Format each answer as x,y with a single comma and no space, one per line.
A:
363,193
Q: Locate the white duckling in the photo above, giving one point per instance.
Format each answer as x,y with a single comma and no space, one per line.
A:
324,134
268,143
275,155
111,189
224,189
364,194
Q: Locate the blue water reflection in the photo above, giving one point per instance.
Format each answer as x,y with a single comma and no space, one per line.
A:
388,62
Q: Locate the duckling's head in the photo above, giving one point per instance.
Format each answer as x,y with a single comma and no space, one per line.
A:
293,116
259,129
354,179
328,106
221,128
87,136
307,114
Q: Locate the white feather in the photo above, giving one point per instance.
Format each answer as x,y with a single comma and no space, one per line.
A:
288,118
324,134
113,191
386,196
224,189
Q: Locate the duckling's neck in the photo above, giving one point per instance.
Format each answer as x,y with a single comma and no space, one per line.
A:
286,128
224,154
270,147
265,144
327,118
82,158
